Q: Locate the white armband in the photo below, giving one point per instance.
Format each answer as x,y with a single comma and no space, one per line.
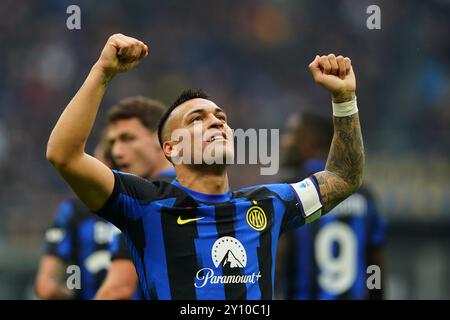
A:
307,192
345,109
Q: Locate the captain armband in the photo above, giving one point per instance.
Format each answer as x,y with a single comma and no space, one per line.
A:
308,196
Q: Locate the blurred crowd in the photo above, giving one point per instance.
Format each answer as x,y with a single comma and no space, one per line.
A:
251,56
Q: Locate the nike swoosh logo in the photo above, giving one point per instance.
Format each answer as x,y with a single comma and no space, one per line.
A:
181,221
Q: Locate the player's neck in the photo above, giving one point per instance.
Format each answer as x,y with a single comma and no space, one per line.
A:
209,181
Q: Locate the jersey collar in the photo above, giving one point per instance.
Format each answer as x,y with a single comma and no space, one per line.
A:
204,197
167,172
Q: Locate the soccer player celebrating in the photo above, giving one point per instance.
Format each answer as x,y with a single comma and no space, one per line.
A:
193,238
327,259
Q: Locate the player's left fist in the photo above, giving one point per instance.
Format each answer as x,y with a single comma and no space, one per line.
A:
336,75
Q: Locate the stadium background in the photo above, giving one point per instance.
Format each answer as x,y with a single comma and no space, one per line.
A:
252,57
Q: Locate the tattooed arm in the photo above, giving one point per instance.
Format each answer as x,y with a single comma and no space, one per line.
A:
91,180
344,168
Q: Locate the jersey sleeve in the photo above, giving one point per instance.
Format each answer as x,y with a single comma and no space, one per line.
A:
128,200
119,248
302,202
59,237
377,223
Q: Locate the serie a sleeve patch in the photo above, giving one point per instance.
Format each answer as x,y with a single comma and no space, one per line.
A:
308,195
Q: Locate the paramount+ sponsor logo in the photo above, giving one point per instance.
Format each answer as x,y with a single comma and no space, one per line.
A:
227,252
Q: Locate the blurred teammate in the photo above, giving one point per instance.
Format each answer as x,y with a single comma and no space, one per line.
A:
193,238
328,258
77,237
133,140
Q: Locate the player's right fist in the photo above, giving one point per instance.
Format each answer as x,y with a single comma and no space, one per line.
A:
120,54
336,75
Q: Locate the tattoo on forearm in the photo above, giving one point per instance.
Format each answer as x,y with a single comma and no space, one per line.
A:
105,81
344,169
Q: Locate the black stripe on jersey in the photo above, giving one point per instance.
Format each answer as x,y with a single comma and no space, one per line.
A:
152,291
135,232
265,251
265,258
225,227
291,206
181,257
289,267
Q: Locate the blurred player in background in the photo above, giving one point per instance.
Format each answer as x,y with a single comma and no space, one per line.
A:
133,140
328,258
77,237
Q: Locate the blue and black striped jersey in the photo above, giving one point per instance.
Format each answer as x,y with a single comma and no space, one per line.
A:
327,259
119,246
79,237
189,245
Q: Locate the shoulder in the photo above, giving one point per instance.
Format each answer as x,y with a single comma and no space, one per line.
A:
364,196
279,190
66,211
140,188
357,204
371,201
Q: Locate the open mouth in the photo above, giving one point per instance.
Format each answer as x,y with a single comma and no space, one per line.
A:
217,137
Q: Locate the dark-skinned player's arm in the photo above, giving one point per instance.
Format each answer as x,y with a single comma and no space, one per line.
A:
344,168
91,180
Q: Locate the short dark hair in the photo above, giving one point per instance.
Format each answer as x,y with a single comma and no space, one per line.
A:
186,95
147,110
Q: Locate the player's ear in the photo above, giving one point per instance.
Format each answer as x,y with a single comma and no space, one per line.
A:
168,149
178,148
172,151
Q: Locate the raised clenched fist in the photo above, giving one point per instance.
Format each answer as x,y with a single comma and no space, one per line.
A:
120,54
336,75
